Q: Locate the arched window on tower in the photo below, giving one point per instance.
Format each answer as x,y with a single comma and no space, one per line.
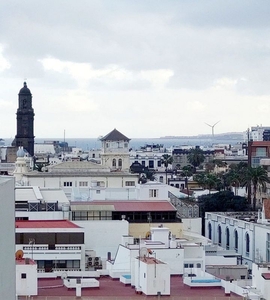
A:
114,162
219,235
120,163
236,240
209,231
227,238
247,244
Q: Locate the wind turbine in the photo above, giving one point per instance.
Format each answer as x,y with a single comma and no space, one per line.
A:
212,126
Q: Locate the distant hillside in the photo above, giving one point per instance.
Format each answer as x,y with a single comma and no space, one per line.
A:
227,135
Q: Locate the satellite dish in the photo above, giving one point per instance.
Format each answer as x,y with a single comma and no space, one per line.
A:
143,252
19,254
64,275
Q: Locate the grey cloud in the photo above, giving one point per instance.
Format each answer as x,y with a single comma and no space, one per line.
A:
200,41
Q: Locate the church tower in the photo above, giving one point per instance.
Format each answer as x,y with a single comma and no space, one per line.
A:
25,121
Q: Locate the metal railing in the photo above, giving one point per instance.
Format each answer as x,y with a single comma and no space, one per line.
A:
141,297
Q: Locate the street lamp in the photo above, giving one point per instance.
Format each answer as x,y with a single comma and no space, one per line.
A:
32,242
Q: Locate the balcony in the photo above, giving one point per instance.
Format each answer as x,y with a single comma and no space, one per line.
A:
52,252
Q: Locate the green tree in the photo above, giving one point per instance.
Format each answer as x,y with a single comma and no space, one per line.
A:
186,172
150,175
166,160
255,178
221,201
234,179
196,157
208,181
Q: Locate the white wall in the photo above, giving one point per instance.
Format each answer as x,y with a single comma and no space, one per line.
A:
154,278
39,215
260,247
242,227
7,238
193,225
103,236
220,260
259,282
161,187
26,286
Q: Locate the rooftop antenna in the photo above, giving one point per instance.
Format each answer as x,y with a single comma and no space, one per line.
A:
212,126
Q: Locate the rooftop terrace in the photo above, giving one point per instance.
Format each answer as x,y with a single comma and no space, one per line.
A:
53,289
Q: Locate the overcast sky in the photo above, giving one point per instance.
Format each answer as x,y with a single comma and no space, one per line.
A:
147,68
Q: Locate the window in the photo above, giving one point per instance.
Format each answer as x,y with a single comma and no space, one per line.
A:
120,163
261,151
143,163
114,162
23,276
153,193
247,244
189,211
159,163
151,164
219,235
268,247
93,155
67,183
125,145
209,231
227,238
161,179
97,191
100,183
236,240
185,265
130,183
83,183
196,211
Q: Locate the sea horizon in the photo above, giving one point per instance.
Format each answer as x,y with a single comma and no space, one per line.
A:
135,143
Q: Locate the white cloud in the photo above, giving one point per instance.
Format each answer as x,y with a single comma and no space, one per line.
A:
4,64
158,78
195,106
152,68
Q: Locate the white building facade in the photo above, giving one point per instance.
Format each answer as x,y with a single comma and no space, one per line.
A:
249,238
7,240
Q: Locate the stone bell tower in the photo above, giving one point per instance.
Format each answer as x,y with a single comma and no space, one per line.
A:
25,121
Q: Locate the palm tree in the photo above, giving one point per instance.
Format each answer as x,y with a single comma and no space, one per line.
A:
255,178
234,179
208,181
166,160
196,157
187,172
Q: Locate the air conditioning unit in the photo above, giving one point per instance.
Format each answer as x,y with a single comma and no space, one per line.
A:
90,258
96,259
96,263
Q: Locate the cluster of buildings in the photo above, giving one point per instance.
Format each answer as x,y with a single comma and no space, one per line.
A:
76,218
